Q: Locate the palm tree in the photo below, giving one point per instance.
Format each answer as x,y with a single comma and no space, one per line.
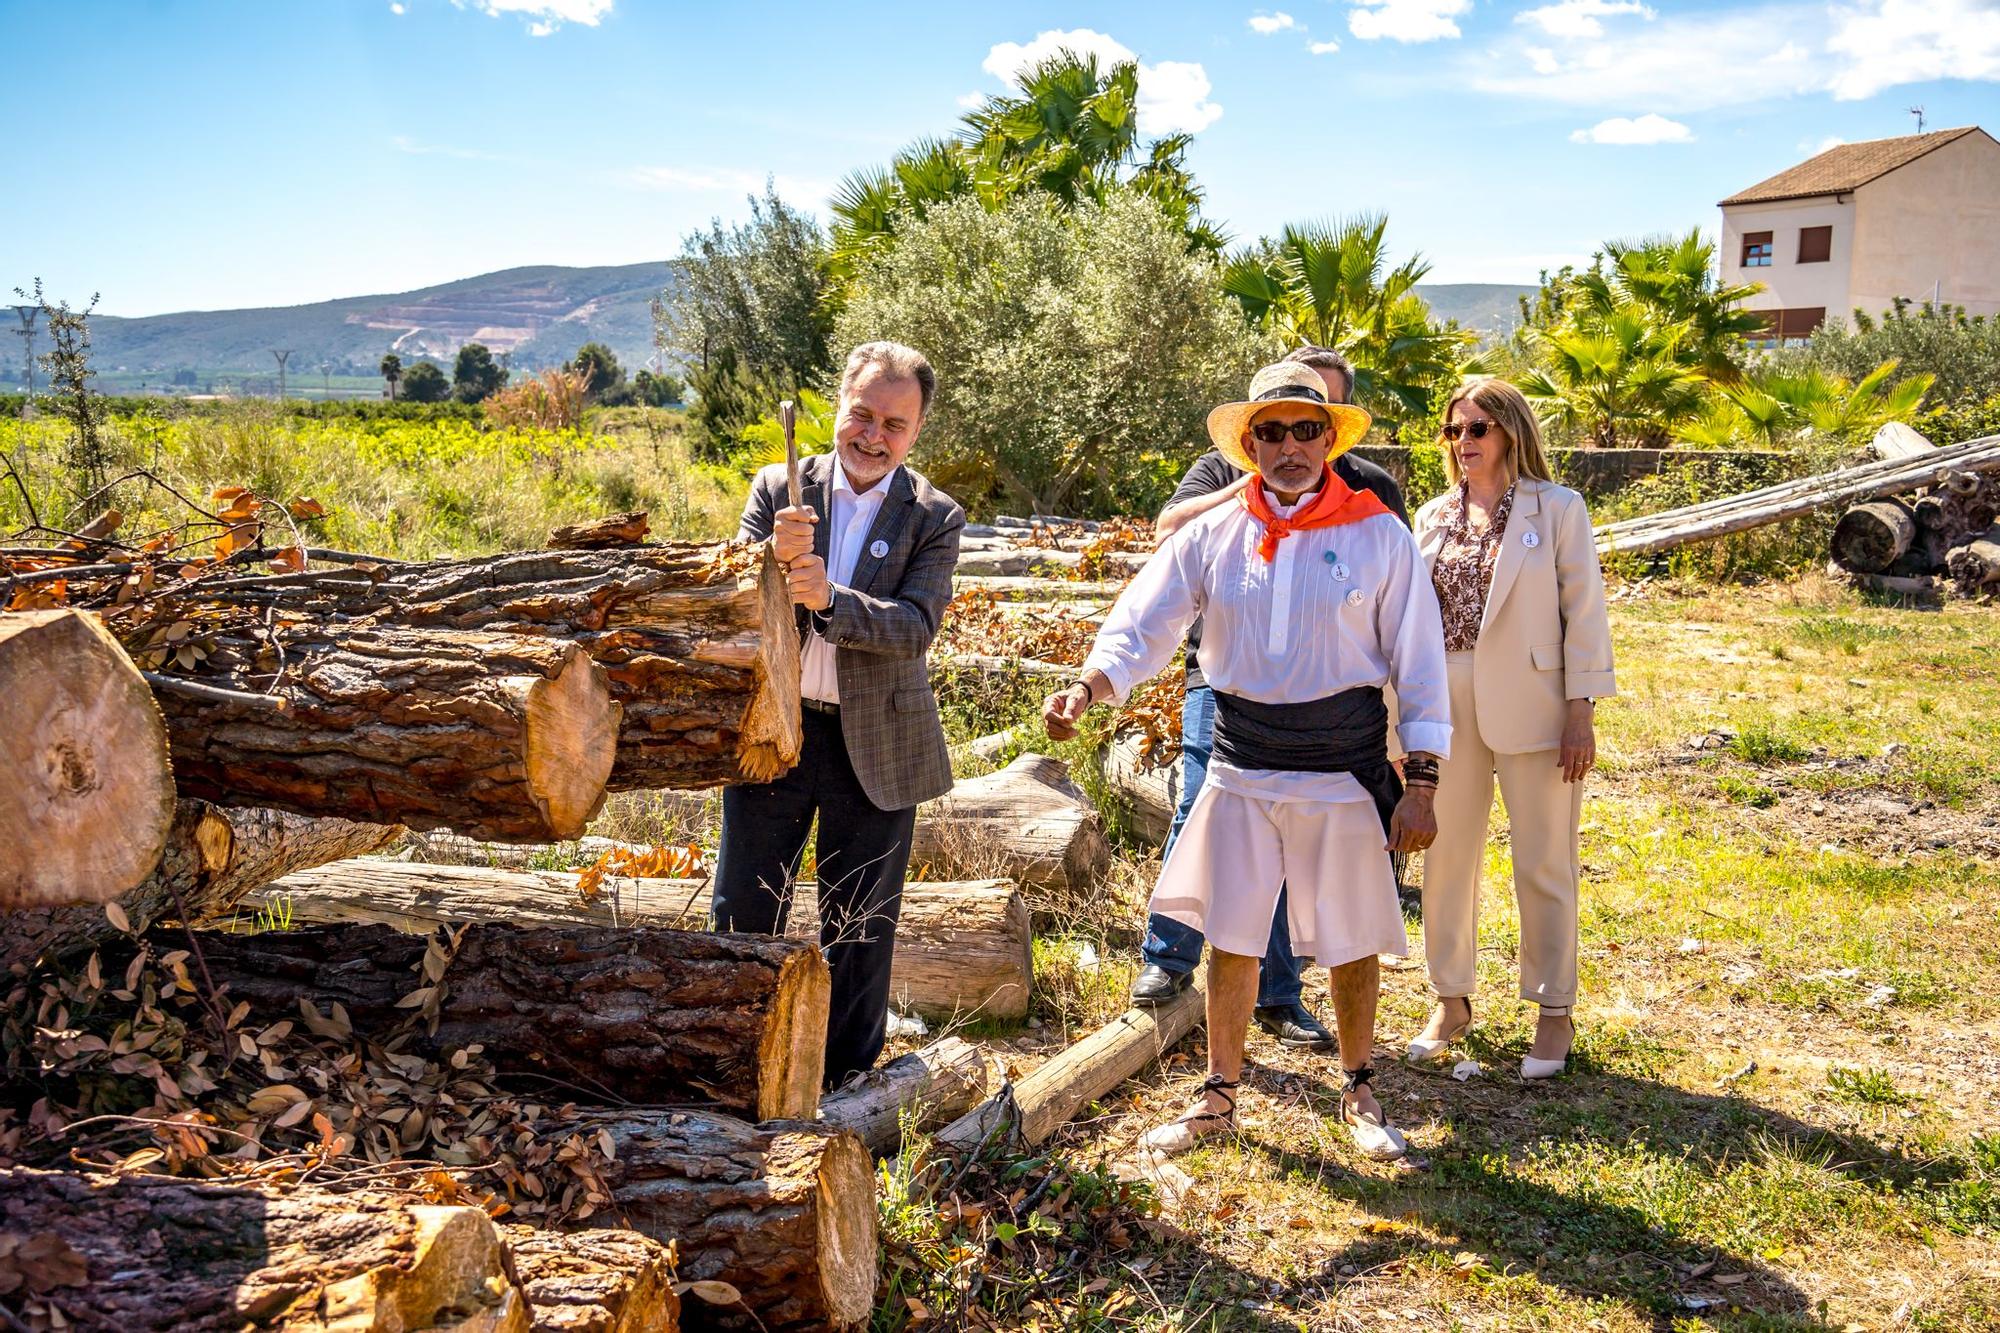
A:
1674,277
1773,407
1616,375
392,370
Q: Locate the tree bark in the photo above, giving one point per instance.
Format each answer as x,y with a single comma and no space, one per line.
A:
698,641
498,735
141,1253
935,1085
1975,566
1871,537
86,798
1043,1102
213,858
1028,822
962,949
783,1212
594,1281
604,533
619,1015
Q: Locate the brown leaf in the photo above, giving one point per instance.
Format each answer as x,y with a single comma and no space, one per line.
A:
305,507
288,560
716,1293
119,922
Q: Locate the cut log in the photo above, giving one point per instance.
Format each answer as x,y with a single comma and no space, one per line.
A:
1028,822
1022,561
1026,588
1896,440
141,1253
1004,666
1922,587
962,949
1043,1102
617,530
930,1087
1871,537
1146,793
86,798
698,640
783,1212
213,857
1773,504
502,736
594,1281
1975,566
619,1015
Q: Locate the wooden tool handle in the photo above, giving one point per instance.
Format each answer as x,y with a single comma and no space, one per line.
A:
788,417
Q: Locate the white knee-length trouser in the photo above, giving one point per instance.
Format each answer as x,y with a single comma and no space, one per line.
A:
1543,812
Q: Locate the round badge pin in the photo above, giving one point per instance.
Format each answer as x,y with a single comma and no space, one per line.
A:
880,549
1341,573
1328,556
1355,598
1531,539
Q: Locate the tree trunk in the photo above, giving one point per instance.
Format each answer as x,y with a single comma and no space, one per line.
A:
1043,1102
783,1212
1871,537
698,640
140,1253
634,1014
1896,440
1147,792
601,534
213,858
498,735
1027,822
1975,566
962,949
594,1281
935,1085
86,798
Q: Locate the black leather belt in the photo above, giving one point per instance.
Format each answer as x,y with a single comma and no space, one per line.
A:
820,706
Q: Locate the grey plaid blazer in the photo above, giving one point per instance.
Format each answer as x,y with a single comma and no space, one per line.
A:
881,627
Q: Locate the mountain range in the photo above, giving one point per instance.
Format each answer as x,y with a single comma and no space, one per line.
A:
538,316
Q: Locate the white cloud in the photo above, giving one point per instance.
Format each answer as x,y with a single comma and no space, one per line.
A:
1890,42
1648,128
1405,20
1266,24
1173,94
1830,141
1541,59
1323,48
1579,18
971,100
397,9
548,15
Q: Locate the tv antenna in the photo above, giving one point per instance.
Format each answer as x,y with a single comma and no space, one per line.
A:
282,357
28,313
1918,112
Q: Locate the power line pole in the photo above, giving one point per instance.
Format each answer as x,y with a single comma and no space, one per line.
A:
326,379
28,314
282,357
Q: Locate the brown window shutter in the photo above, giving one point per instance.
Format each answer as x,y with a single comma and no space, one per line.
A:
1815,245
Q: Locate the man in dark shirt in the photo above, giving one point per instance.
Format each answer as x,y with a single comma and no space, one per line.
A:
1172,949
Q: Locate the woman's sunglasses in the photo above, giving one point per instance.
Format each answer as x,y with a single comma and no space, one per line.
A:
1476,429
1270,432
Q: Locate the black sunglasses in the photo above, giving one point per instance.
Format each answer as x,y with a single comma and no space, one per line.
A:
1270,432
1476,429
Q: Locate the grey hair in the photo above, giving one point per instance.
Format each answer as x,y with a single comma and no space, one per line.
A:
897,362
1325,358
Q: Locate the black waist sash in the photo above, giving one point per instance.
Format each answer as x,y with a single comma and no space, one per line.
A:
1342,733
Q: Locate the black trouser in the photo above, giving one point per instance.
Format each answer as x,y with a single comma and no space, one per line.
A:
863,853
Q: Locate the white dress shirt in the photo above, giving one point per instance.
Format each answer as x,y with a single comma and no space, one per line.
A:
849,515
1338,608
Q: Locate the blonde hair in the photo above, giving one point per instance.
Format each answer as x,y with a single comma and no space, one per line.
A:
1507,407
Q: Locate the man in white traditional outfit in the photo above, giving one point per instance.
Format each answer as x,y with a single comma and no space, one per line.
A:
1314,597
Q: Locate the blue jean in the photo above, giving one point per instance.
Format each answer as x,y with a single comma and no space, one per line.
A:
1175,947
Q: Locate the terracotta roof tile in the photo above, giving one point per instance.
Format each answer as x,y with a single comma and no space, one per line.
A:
1847,166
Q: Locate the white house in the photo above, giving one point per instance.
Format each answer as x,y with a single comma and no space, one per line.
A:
1864,223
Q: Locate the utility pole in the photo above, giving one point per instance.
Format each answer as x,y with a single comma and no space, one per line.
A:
282,357
326,379
28,314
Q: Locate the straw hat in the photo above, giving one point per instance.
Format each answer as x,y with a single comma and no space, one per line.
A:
1288,380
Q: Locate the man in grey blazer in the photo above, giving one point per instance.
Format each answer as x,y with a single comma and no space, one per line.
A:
868,556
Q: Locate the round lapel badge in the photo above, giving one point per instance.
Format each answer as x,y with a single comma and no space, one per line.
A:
881,548
1341,573
1354,597
1531,539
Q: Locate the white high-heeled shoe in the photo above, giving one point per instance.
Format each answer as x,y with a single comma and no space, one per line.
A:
1423,1052
1533,1068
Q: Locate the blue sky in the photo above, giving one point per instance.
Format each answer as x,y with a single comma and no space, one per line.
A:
188,154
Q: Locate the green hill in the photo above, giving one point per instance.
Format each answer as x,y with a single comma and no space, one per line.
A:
1487,308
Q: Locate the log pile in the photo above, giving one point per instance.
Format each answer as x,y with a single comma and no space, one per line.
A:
1900,542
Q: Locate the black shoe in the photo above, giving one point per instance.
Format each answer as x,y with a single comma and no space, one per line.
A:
1156,986
1294,1025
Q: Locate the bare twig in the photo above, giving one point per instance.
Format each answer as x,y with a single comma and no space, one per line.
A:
212,693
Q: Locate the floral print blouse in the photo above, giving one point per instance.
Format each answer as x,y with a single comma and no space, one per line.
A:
1464,568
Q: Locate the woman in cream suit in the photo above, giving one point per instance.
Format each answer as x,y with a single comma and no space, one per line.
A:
1528,651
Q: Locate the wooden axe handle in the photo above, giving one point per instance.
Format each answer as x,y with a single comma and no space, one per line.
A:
788,417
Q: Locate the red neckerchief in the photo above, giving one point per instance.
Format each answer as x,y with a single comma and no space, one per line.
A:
1335,504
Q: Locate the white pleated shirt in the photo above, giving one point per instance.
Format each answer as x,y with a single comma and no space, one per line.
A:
1338,608
849,515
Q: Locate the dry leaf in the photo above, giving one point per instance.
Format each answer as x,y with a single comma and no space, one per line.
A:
119,922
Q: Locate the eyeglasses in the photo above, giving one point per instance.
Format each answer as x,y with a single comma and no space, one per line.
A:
1476,429
1271,432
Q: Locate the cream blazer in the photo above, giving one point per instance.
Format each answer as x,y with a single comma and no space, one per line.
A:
1546,635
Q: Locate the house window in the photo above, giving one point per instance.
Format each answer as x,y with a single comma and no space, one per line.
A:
1800,322
1756,249
1815,245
